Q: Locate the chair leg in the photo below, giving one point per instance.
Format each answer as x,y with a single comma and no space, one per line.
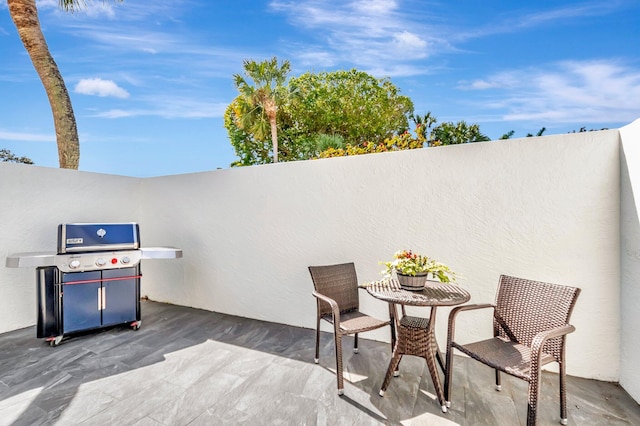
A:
338,340
563,395
498,383
534,391
317,358
355,343
448,373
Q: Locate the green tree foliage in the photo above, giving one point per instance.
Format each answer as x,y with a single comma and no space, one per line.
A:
450,133
8,157
424,135
249,149
540,132
253,150
507,135
543,129
510,134
256,109
350,105
395,143
324,142
584,129
424,123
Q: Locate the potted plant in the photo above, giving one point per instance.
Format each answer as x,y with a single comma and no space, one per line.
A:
413,269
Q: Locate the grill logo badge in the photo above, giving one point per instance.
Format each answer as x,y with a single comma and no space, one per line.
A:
101,233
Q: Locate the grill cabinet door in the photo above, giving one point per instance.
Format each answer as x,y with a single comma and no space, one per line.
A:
80,301
121,296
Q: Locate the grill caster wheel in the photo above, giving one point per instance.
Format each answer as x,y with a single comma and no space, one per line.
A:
136,325
55,341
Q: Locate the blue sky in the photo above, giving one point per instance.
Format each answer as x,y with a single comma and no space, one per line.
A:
149,80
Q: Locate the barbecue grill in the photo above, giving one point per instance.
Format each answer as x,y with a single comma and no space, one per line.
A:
93,281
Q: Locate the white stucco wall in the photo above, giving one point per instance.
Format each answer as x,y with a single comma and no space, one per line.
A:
542,208
630,259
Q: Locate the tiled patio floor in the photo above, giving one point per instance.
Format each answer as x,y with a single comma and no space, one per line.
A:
192,367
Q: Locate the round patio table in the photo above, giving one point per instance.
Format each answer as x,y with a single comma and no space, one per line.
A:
416,335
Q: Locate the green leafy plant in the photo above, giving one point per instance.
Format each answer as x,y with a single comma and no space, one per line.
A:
406,262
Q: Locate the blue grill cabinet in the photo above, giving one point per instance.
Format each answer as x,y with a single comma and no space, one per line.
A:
70,302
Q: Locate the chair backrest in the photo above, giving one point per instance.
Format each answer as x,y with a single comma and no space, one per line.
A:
338,282
526,307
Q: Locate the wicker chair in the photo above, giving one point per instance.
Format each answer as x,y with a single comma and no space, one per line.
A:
530,324
336,293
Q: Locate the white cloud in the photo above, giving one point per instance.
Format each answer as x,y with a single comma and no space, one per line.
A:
364,33
480,85
47,4
27,137
502,80
170,108
375,6
91,8
409,42
570,92
384,33
317,58
100,87
100,9
563,15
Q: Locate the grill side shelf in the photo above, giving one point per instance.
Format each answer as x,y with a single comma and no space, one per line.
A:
161,253
31,260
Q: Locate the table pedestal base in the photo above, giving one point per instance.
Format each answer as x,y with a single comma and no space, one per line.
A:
416,337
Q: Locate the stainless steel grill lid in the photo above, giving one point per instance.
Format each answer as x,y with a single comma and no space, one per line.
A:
87,237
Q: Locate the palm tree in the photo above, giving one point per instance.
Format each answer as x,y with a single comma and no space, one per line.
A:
258,103
540,132
423,125
508,135
24,14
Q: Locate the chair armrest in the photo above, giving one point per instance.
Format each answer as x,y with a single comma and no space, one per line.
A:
454,313
540,339
470,307
335,309
538,343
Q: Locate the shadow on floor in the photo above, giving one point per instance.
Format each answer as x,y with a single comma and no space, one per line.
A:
189,366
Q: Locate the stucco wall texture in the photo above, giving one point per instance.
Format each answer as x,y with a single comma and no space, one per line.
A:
555,208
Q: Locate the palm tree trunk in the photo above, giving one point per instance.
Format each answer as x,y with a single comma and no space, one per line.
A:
25,17
274,138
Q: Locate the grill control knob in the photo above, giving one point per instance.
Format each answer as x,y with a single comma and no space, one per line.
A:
74,264
125,260
101,261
